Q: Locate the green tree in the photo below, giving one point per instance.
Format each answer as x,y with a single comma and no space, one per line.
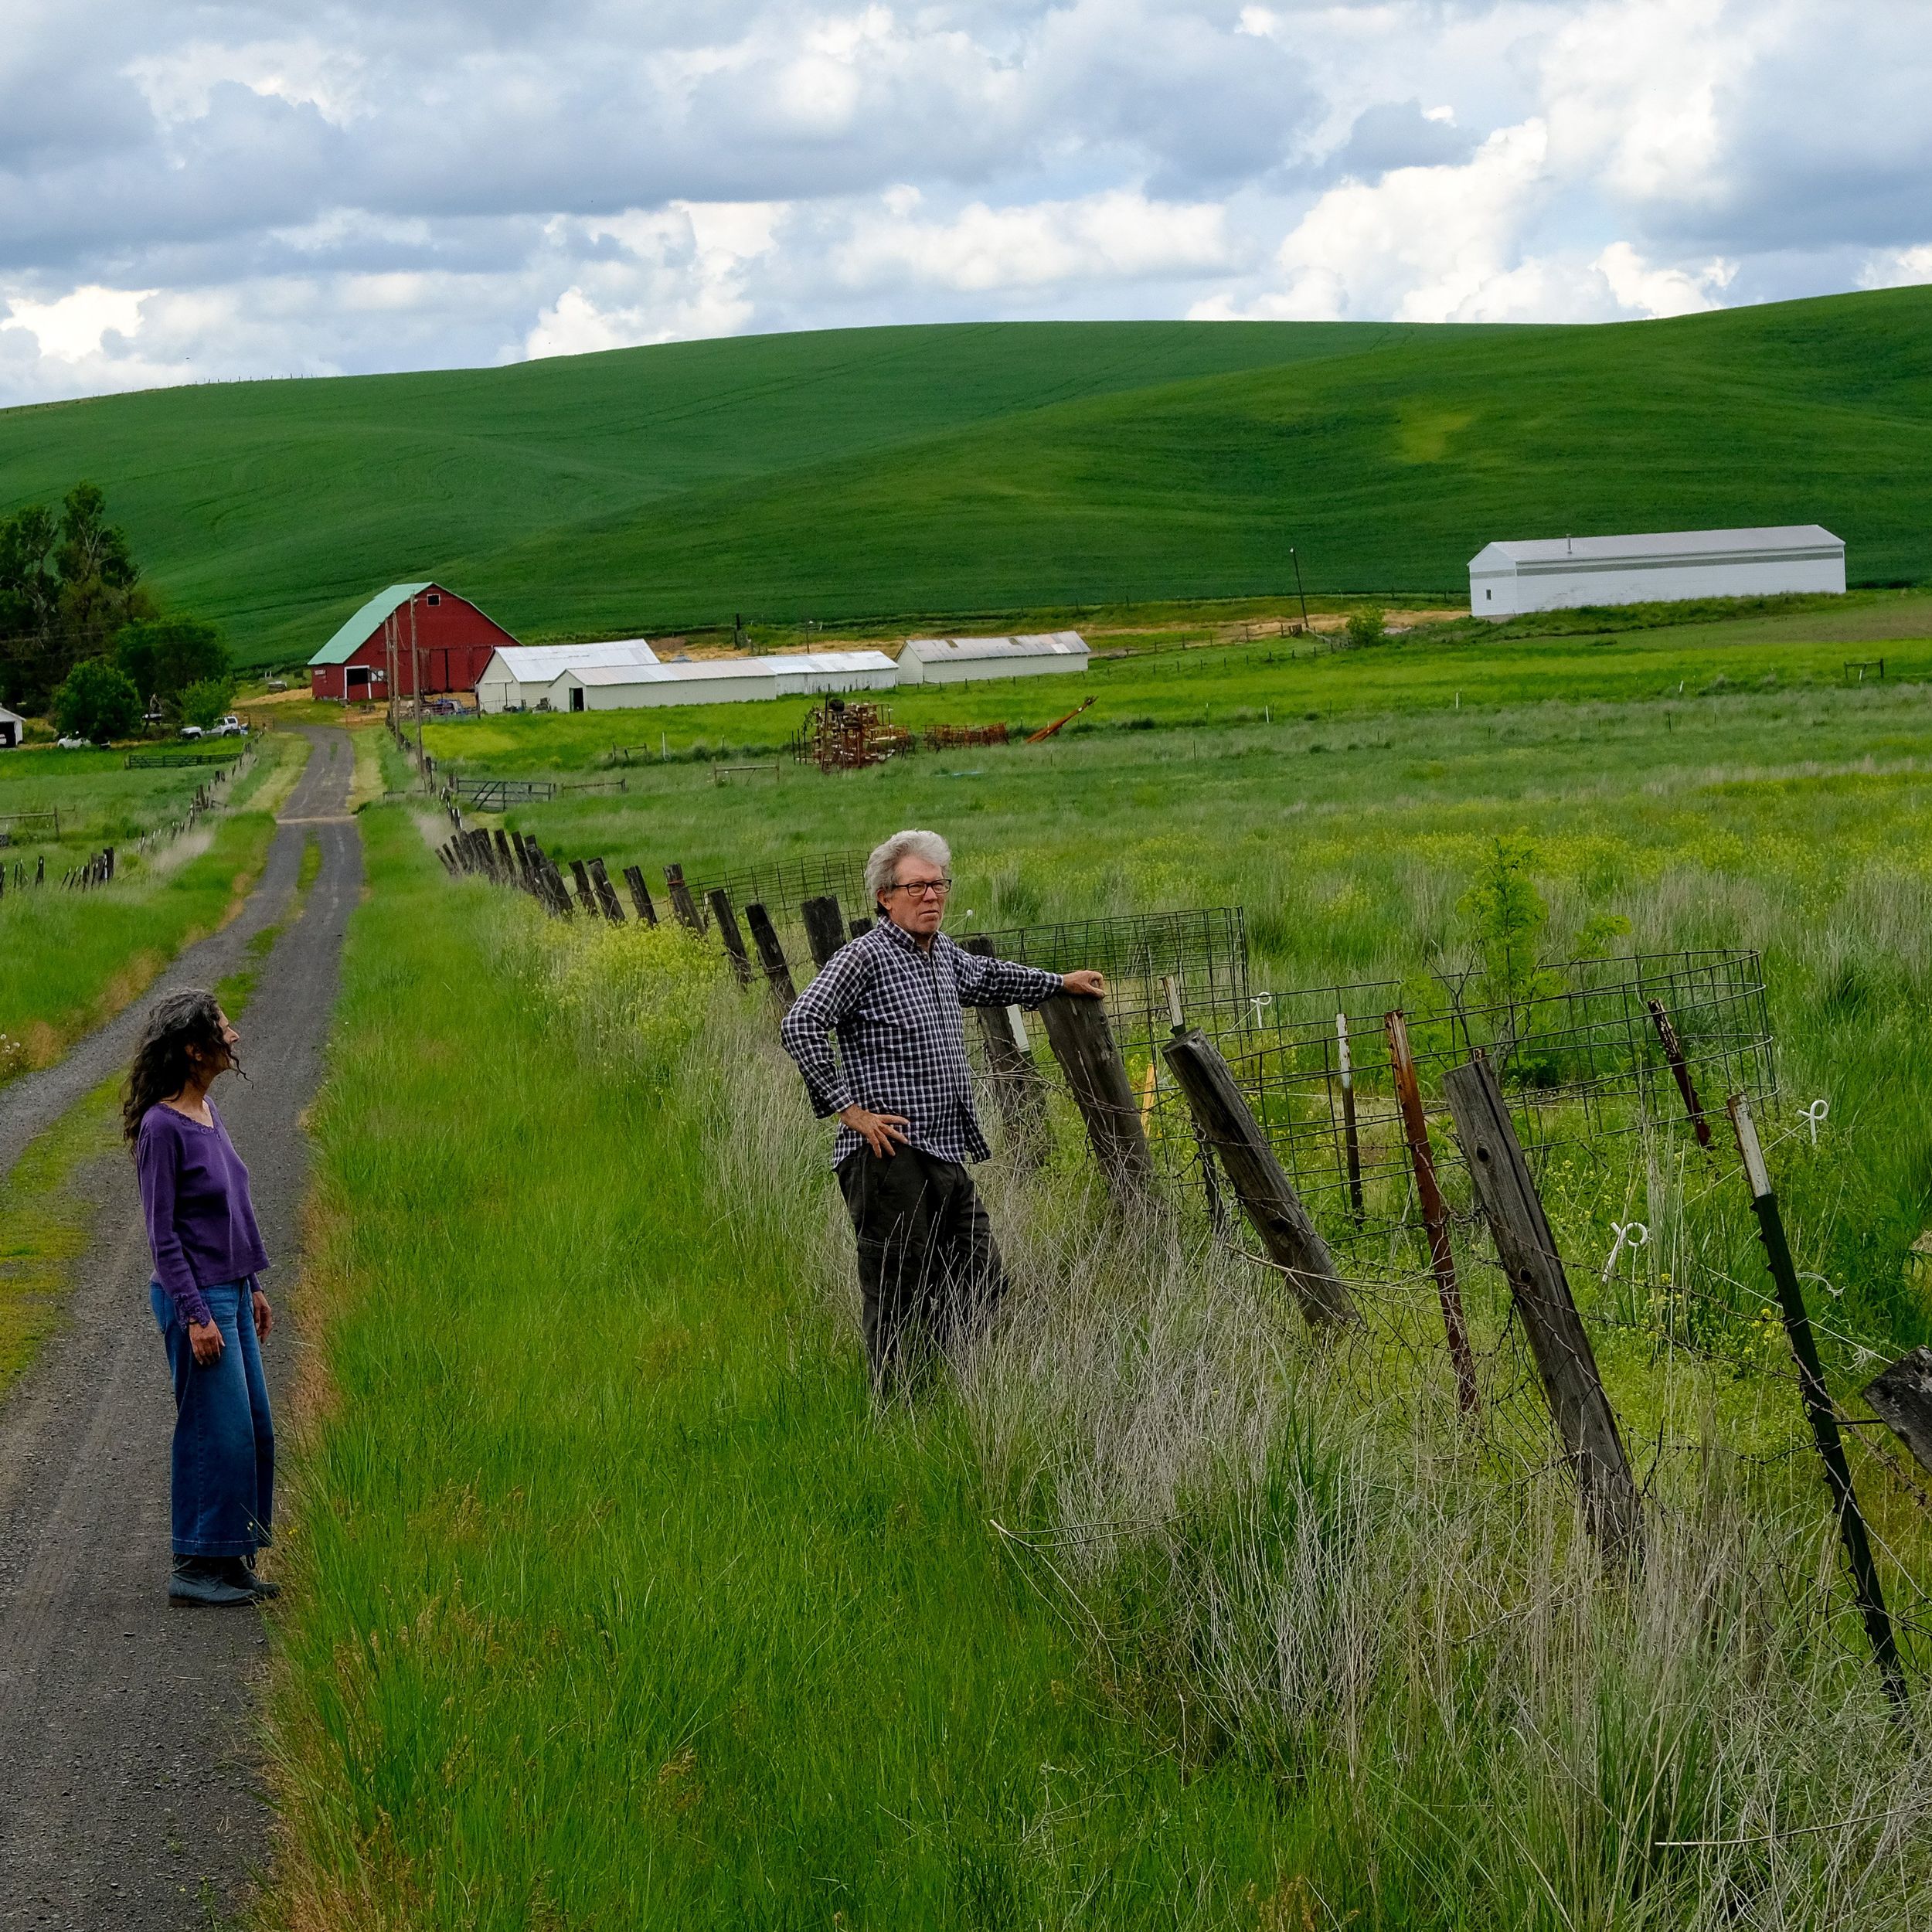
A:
204,702
96,701
67,584
1510,919
164,655
1366,626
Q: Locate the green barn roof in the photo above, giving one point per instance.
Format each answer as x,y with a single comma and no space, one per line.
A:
355,633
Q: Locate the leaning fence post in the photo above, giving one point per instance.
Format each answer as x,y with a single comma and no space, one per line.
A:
1083,1044
681,902
606,891
1901,1398
860,927
1527,1250
640,894
824,926
1018,1091
771,954
1673,1052
1817,1408
734,942
1259,1182
506,868
1435,1210
586,897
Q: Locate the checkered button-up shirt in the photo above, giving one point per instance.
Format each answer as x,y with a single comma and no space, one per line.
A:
897,1009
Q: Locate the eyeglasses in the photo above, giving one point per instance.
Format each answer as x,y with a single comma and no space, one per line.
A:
925,889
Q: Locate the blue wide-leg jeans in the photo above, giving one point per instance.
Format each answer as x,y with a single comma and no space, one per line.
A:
224,1458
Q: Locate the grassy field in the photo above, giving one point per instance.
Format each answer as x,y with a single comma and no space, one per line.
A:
996,468
614,1603
1437,668
70,960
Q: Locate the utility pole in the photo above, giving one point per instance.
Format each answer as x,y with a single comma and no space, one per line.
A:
1298,591
416,678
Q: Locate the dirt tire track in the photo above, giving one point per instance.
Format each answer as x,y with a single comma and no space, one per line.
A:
129,1792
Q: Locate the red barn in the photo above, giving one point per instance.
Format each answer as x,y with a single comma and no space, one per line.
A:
453,639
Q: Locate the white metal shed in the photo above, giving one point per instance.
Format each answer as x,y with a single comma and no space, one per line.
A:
13,728
956,660
721,680
522,674
1564,572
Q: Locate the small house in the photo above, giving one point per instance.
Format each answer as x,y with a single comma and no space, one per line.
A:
958,660
410,623
1566,572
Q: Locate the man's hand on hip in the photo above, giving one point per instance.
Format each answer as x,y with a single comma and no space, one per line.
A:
1087,983
879,1132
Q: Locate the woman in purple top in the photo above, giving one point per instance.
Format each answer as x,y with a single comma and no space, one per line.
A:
212,1315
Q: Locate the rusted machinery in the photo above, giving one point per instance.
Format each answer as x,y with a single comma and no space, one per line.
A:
840,735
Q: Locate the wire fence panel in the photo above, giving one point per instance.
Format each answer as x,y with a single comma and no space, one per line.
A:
782,886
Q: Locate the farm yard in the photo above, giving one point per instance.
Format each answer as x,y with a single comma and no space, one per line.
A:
615,1604
1317,1540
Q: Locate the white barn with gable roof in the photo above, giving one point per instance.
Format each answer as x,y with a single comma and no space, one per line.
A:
956,660
1565,573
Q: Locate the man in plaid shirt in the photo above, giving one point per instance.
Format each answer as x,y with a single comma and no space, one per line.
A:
928,1269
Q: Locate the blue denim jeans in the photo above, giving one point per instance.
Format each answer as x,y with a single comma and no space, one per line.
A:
224,1458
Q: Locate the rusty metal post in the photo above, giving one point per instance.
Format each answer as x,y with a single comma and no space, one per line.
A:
1435,1210
1351,1143
1673,1052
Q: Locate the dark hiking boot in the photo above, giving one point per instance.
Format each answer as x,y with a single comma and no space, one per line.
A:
200,1582
240,1571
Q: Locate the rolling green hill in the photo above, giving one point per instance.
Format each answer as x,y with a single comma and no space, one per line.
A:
867,472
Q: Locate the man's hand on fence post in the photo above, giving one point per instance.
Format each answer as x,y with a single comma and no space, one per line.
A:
1087,983
879,1132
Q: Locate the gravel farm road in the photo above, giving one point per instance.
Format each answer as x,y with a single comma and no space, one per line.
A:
129,1788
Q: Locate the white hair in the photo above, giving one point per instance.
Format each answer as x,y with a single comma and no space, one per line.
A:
882,868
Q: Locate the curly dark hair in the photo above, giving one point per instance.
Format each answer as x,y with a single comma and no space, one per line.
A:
162,1068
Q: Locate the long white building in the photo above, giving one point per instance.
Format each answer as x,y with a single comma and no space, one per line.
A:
520,674
957,660
619,687
1564,573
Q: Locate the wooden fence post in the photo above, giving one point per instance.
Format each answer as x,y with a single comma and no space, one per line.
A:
1564,1361
861,926
606,893
771,954
734,943
640,894
505,866
586,897
1261,1183
1818,1410
1018,1090
560,893
1673,1052
824,926
1435,1210
1083,1044
681,902
1901,1398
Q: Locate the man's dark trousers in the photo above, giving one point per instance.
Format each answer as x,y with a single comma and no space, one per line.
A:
928,1269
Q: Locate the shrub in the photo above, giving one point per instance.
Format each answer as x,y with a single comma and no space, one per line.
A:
96,701
205,701
1366,626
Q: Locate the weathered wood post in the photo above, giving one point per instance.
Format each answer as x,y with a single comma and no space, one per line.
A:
1901,1398
1527,1250
860,927
641,894
681,902
1351,1138
586,897
1435,1210
606,893
1019,1091
560,893
771,954
1083,1044
734,942
1819,1409
1260,1184
824,926
1673,1052
505,866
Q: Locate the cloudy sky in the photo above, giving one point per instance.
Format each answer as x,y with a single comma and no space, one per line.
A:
193,192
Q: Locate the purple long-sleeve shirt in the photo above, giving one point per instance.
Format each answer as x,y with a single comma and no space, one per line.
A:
201,1222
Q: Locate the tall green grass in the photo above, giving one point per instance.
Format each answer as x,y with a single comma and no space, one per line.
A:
614,1603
